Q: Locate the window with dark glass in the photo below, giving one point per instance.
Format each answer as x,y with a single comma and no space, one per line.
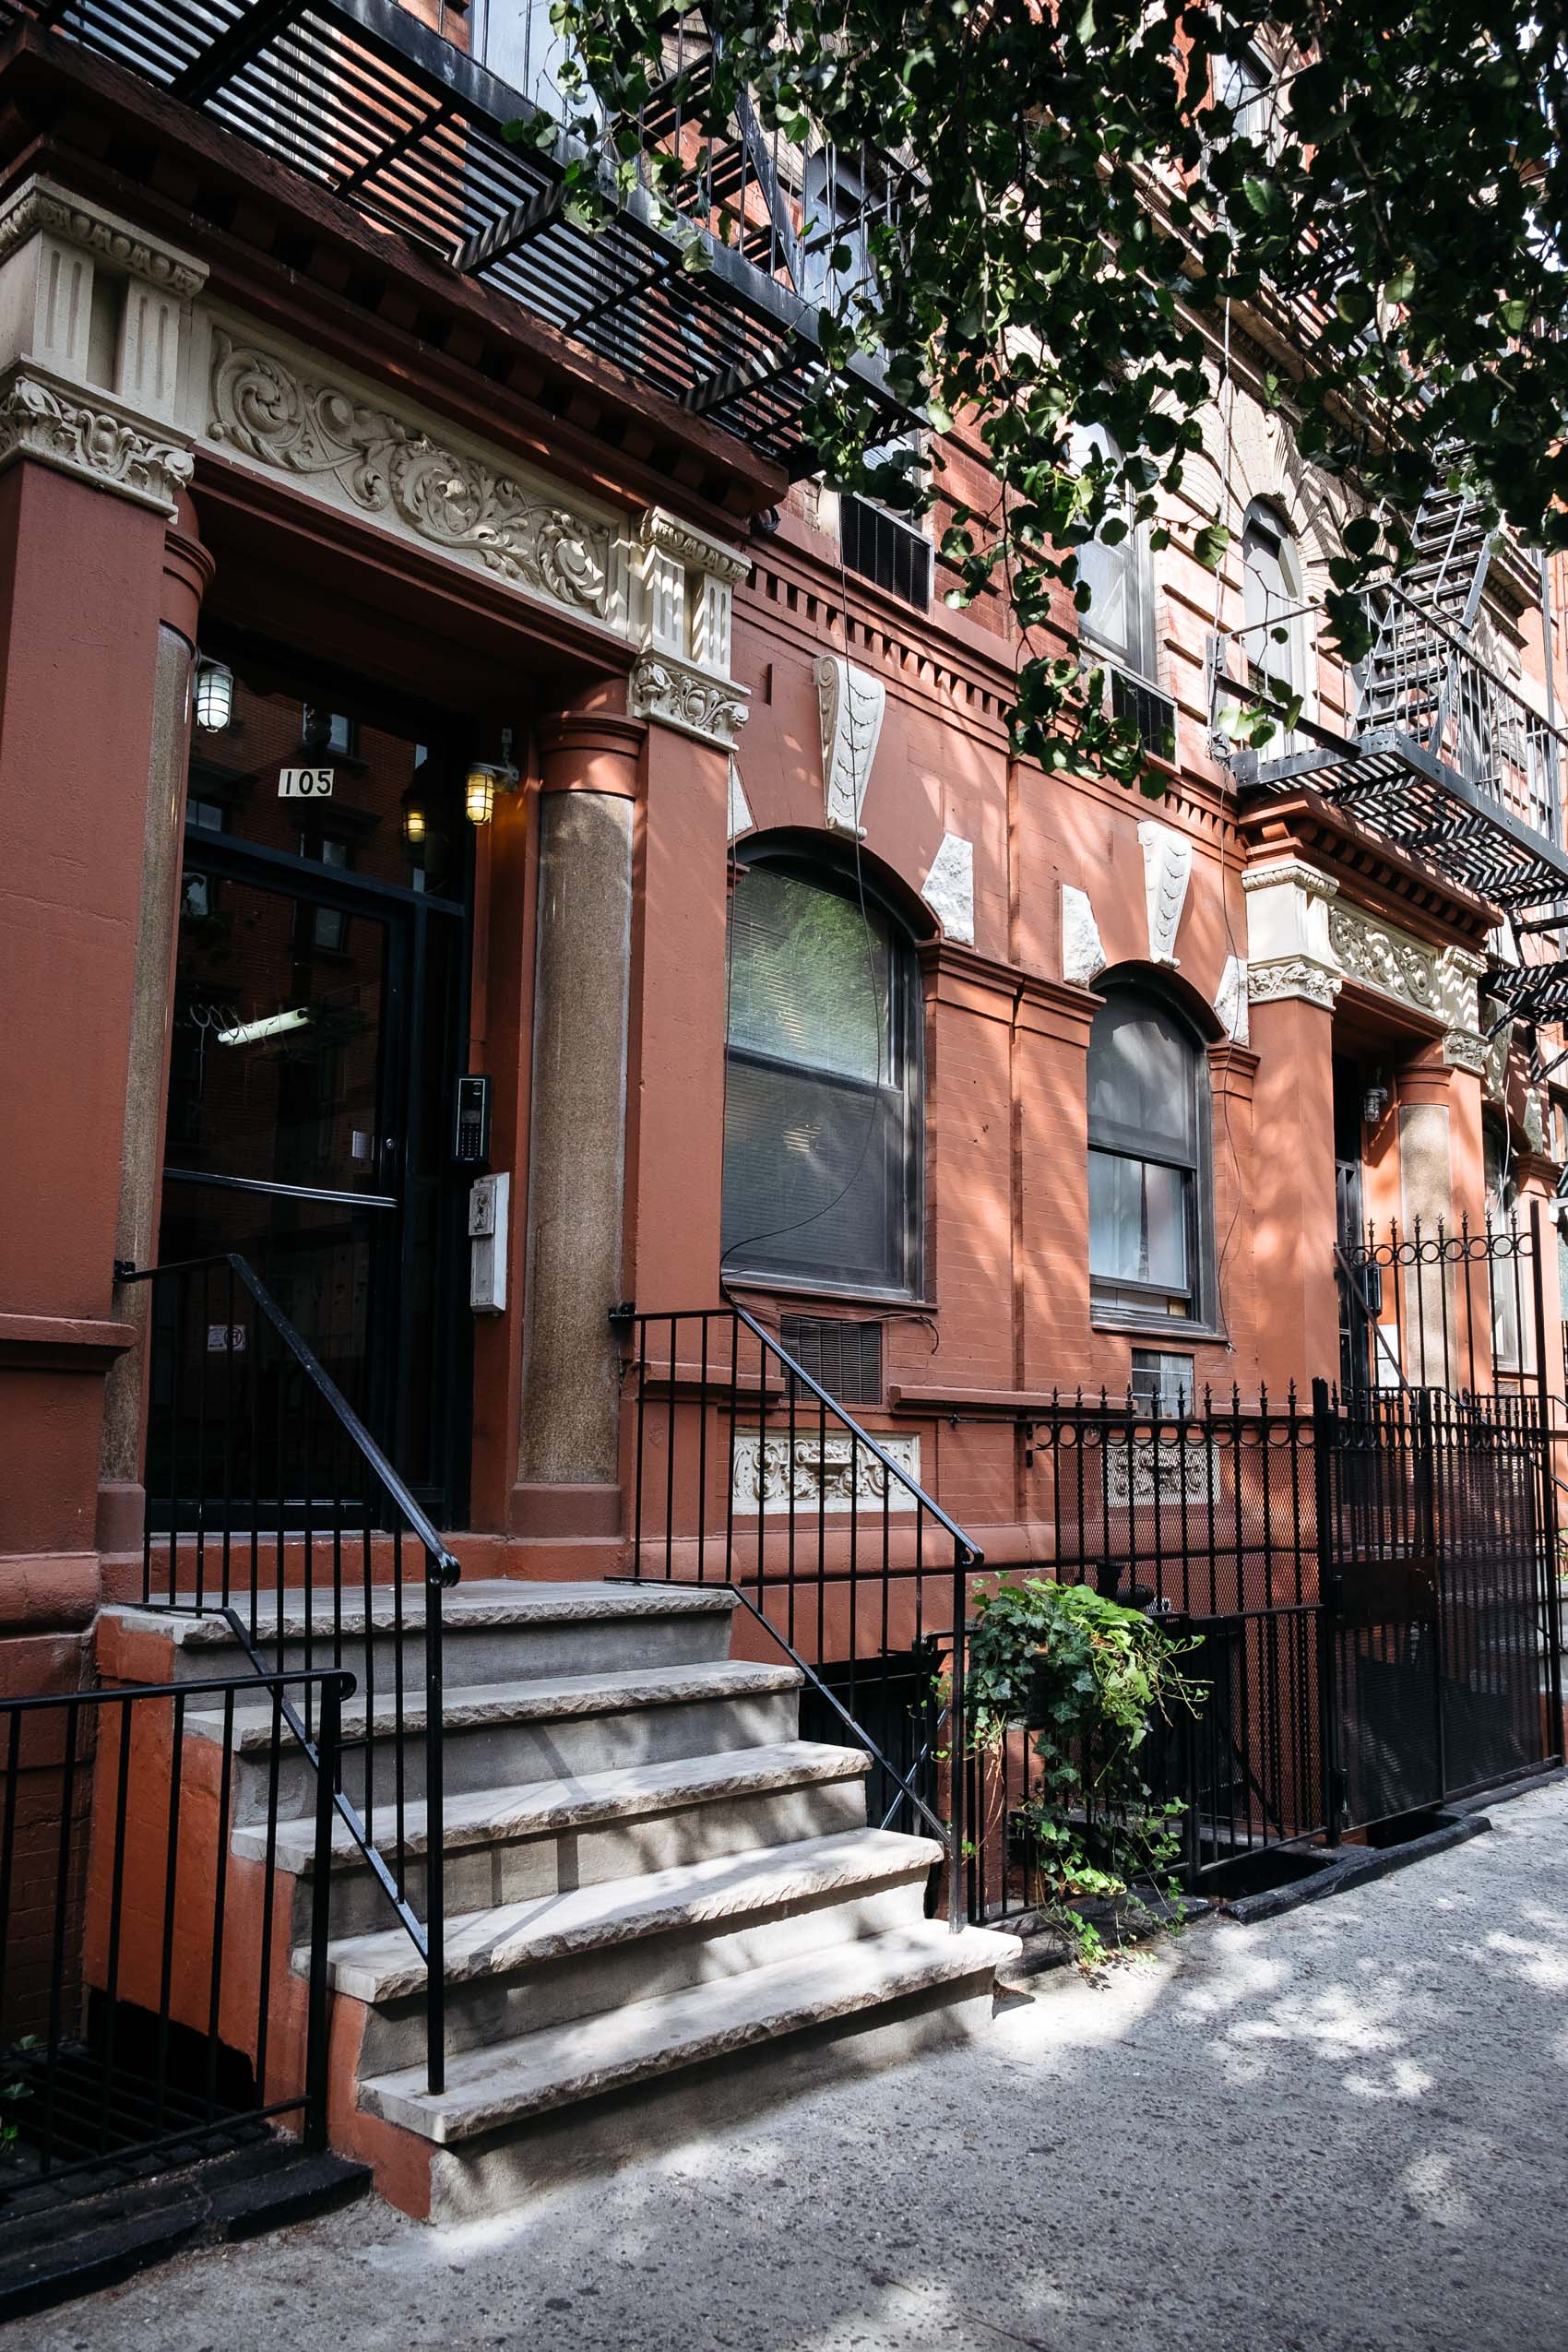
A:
822,1096
1148,1161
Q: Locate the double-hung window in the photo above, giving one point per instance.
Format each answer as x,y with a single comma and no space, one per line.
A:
1148,1162
822,1126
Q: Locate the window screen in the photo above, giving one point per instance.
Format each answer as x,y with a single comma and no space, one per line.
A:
821,1100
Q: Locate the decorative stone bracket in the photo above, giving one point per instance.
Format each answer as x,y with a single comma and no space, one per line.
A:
851,705
96,326
685,584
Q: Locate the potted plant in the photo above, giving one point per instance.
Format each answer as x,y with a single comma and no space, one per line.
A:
1086,1677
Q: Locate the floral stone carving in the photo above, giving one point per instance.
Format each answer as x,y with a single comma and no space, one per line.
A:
387,466
836,1473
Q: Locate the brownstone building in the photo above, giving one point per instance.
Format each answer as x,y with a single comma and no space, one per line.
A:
495,848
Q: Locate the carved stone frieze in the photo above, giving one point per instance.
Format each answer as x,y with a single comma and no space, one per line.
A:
1299,976
851,706
1384,958
832,1473
691,699
1150,1469
261,407
694,548
1465,1050
45,421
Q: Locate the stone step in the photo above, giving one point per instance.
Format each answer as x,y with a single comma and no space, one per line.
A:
499,1735
501,2089
506,1844
493,1631
526,1967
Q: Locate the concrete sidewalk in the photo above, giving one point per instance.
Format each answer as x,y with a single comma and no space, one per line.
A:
1345,2131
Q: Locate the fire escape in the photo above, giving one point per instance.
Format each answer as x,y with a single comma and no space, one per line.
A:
1444,755
372,106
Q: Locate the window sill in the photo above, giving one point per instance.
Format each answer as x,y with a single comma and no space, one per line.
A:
764,1286
1175,1334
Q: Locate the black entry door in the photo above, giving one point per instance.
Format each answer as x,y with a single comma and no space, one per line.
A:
318,1030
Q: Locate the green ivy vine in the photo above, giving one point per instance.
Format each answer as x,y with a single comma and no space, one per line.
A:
1088,1678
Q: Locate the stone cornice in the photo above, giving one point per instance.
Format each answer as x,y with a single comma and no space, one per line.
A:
1301,825
41,206
691,547
97,440
1292,872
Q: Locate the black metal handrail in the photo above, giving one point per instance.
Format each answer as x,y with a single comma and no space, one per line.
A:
807,1568
111,2052
280,1412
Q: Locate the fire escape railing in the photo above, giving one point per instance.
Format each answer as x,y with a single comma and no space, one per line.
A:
1444,755
362,100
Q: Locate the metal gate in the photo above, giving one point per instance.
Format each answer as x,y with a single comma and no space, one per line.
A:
1436,1539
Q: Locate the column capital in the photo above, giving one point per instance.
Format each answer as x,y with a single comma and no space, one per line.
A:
593,749
188,567
1301,977
95,320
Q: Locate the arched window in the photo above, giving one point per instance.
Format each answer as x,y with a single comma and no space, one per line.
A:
1273,590
1150,1246
1119,622
822,1112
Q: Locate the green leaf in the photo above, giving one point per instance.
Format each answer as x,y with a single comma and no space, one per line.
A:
1210,545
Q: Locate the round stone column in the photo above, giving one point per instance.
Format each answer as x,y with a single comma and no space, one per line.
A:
569,1442
187,569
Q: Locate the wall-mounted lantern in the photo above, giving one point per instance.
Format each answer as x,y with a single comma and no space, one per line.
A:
486,778
416,820
214,695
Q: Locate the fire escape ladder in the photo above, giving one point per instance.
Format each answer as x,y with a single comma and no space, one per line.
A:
1411,676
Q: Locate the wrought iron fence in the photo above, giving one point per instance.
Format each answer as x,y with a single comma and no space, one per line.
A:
746,1472
150,2006
269,1504
1458,1308
1207,1516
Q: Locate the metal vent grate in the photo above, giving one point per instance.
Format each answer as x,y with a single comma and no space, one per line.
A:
845,1357
881,548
